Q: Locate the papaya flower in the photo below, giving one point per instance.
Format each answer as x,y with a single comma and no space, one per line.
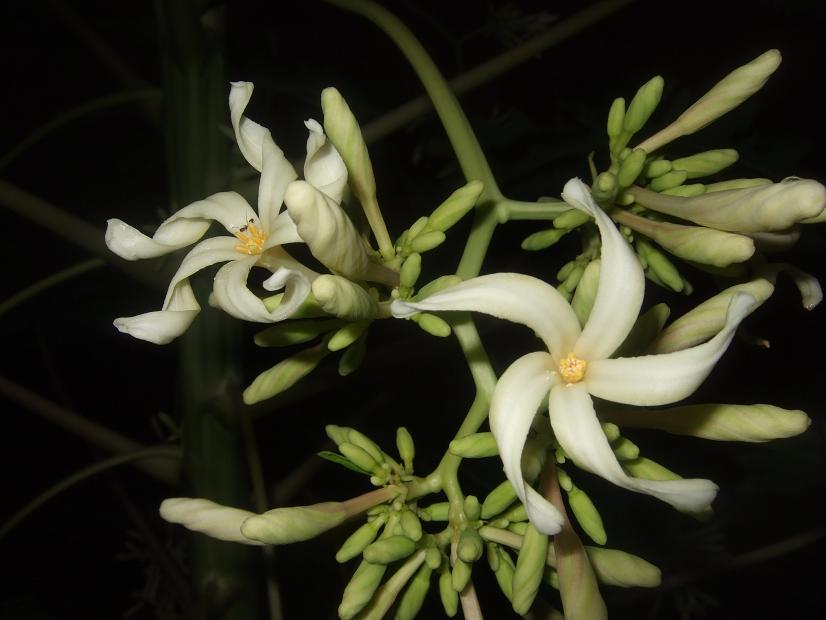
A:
577,365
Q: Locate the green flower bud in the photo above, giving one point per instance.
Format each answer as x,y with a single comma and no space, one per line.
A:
736,184
359,591
762,208
657,167
625,449
662,268
435,286
347,335
612,432
283,526
365,443
411,268
284,374
343,298
413,598
686,191
605,187
752,423
643,105
726,95
631,168
411,526
477,445
360,457
471,508
449,596
706,163
530,565
586,292
406,447
353,356
574,218
295,332
542,239
518,528
616,119
455,207
439,511
427,241
498,500
617,568
389,550
460,575
587,515
517,513
708,318
432,324
504,572
207,517
566,270
668,180
470,546
417,227
338,434
360,539
647,469
564,479
433,558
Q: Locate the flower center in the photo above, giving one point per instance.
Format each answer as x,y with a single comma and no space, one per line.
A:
252,239
572,368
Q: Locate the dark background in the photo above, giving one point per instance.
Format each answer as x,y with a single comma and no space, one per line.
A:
80,555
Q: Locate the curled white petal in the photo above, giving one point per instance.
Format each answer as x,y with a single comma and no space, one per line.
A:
518,394
276,174
248,134
131,244
512,296
282,230
324,168
667,377
227,208
580,434
621,282
207,517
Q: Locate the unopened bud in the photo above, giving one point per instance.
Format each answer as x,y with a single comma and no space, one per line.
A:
625,449
471,508
571,219
721,186
662,268
657,167
413,598
207,517
542,239
434,286
706,163
360,539
586,292
643,105
686,191
284,374
631,168
432,324
498,500
427,241
406,447
460,575
439,511
283,526
411,268
411,526
343,298
289,333
455,207
668,180
389,549
470,546
360,457
477,445
605,187
449,596
530,565
616,118
353,356
359,591
587,515
504,572
347,335
618,568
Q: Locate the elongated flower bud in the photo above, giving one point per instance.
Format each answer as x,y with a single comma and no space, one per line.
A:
587,515
455,206
643,105
618,568
413,598
207,517
283,526
706,163
763,208
477,445
389,549
449,596
406,447
284,374
631,168
360,539
470,546
460,575
530,565
498,500
342,298
586,292
411,526
360,589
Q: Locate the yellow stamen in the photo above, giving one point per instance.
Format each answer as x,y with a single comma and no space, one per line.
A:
572,369
252,239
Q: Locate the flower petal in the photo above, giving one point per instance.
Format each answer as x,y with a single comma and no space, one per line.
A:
276,174
621,282
282,230
248,134
667,377
324,168
131,244
228,208
233,296
580,434
519,392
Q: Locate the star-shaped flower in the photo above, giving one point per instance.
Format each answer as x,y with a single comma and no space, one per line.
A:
577,365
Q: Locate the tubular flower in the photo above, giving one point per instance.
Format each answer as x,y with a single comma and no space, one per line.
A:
577,366
254,240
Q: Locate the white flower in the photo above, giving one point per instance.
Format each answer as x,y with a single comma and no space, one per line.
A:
255,238
577,365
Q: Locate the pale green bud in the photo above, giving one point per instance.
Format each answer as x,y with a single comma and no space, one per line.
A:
571,219
411,268
762,208
406,447
605,187
612,432
284,374
586,292
360,539
455,207
207,517
449,596
625,449
360,457
338,434
647,469
587,515
433,558
663,268
470,546
566,270
752,423
411,526
504,572
618,568
353,356
498,500
530,565
439,511
668,180
435,286
657,167
359,591
471,508
542,239
283,526
343,298
564,479
427,241
616,119
686,191
706,163
721,186
417,227
708,318
295,332
389,549
477,445
643,105
413,598
327,231
460,575
365,443
432,324
631,168
347,335
726,95
519,528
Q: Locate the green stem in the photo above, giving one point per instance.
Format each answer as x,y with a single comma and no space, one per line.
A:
509,210
47,283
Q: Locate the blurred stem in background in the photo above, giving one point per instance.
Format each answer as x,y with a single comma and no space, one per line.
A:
214,464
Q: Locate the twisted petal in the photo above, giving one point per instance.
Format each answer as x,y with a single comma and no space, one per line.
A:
621,283
276,174
233,296
668,377
203,515
180,306
512,296
324,168
513,406
282,230
227,208
580,434
249,134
